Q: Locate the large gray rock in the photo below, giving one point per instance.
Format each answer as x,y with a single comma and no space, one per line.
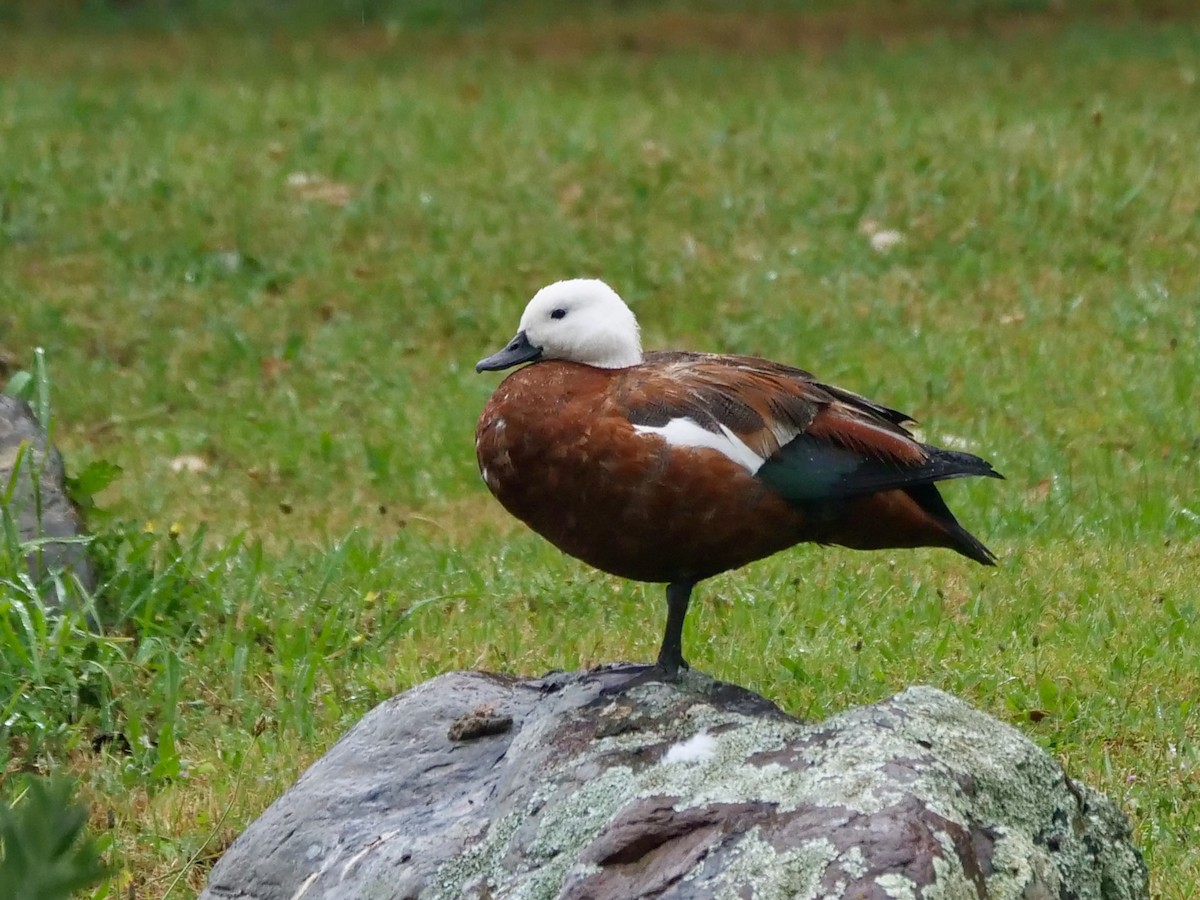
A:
39,502
480,786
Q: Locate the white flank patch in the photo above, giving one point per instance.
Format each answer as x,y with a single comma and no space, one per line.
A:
689,433
698,748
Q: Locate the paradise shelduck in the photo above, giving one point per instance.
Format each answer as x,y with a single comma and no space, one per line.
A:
675,466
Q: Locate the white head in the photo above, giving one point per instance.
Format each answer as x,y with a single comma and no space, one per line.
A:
581,320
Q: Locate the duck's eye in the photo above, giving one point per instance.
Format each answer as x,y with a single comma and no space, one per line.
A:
558,313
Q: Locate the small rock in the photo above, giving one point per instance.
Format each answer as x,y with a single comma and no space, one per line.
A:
41,507
477,724
190,463
883,241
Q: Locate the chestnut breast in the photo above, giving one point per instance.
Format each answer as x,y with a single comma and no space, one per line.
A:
556,449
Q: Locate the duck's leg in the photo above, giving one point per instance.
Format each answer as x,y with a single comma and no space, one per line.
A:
670,656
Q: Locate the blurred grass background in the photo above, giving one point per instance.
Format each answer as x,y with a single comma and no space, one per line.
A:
263,245
433,15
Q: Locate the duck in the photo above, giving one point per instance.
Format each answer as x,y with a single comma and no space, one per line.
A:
674,466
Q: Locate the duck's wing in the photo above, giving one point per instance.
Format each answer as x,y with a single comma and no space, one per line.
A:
809,441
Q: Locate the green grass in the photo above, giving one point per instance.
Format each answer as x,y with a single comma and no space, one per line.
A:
311,345
425,16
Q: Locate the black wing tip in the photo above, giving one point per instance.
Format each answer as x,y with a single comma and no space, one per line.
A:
989,471
961,541
973,548
960,464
